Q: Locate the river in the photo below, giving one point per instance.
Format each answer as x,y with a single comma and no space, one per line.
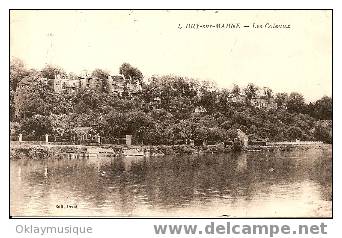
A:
251,184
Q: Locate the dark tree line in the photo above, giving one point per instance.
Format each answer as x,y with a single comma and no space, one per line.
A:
165,111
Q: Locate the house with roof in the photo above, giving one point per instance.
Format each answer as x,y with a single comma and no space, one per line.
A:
84,135
116,84
200,110
236,98
261,101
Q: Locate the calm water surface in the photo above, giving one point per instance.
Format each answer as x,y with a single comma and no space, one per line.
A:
251,184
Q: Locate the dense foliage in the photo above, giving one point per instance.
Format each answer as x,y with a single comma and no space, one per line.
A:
166,110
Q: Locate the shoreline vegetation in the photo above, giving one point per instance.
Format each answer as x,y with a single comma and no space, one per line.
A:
161,111
43,151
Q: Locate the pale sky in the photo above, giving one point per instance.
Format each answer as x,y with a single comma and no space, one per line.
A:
286,60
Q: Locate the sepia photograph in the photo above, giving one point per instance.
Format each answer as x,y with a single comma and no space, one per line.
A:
170,114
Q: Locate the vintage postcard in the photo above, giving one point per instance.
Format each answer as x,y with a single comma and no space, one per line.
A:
171,113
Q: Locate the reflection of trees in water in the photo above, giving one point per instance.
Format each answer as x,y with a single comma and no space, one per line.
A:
321,172
241,175
174,181
170,180
29,183
123,184
68,178
166,181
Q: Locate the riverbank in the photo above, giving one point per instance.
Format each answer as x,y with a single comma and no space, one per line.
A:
50,150
22,150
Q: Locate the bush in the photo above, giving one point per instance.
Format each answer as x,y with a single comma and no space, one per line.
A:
323,132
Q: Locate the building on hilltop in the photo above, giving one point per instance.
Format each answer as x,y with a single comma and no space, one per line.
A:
116,84
57,83
62,84
237,98
261,101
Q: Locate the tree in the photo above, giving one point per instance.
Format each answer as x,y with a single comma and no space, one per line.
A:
201,133
183,131
177,94
34,96
232,134
236,90
12,103
99,73
116,124
18,71
323,108
281,99
268,93
133,74
50,71
296,103
217,134
208,96
87,101
60,124
222,104
36,126
138,123
103,76
294,133
323,131
251,91
181,107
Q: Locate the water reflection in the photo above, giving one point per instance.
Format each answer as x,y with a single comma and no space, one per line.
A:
255,184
